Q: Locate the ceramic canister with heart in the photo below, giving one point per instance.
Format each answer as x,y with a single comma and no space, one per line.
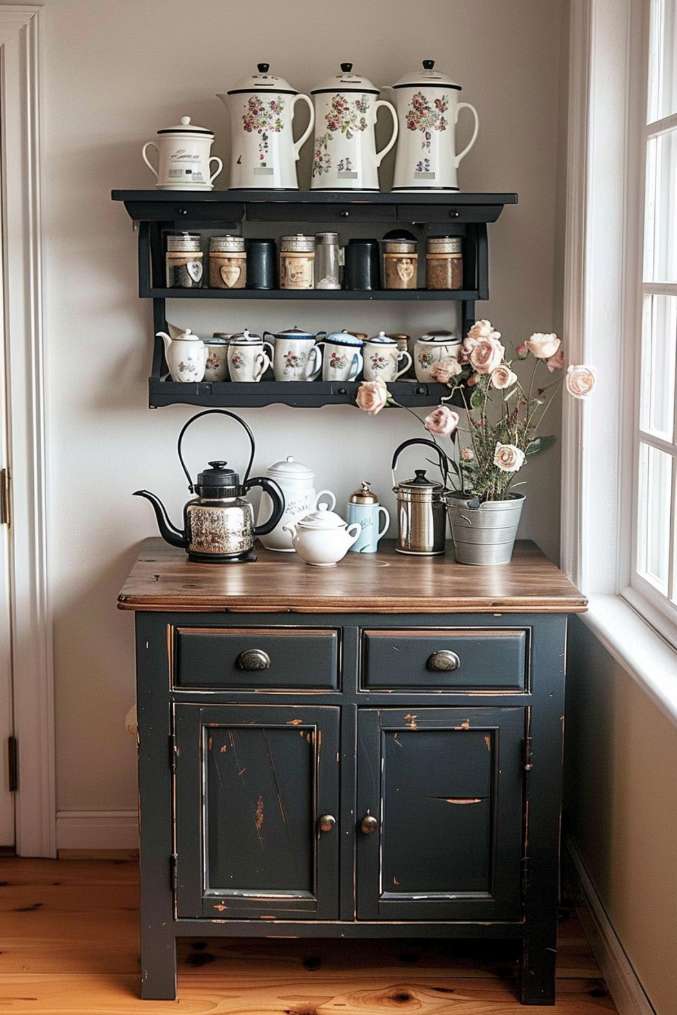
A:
227,262
382,359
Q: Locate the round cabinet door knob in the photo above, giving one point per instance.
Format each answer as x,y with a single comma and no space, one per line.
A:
182,211
344,213
443,661
327,822
454,213
368,824
253,659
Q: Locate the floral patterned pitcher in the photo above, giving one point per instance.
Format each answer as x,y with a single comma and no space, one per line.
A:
427,110
344,152
263,153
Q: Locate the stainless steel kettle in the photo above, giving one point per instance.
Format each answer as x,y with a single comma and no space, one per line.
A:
218,524
421,507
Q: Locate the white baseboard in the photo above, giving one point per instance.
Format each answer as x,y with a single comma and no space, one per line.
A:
97,830
621,979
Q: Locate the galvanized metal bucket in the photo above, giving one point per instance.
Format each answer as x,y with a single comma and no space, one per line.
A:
484,533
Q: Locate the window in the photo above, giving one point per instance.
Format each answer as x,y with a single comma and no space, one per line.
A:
653,568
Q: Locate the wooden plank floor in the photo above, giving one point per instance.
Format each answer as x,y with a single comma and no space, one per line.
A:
69,944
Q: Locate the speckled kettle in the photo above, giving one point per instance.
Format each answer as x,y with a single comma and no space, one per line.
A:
218,523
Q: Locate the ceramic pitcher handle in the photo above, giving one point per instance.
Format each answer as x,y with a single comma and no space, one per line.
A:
460,106
298,145
262,364
386,524
330,495
356,366
269,346
407,356
215,158
150,144
316,356
381,103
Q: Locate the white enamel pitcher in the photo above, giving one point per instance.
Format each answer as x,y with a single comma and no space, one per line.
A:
344,147
263,153
427,110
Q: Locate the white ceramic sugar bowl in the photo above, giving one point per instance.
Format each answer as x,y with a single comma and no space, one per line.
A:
184,162
322,538
297,483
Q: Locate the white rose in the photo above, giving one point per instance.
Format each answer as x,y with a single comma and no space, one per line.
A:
486,355
542,346
503,377
580,380
508,458
481,329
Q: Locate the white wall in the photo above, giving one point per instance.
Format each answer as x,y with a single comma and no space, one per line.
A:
117,70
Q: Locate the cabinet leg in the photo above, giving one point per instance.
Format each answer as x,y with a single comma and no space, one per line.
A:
158,965
537,984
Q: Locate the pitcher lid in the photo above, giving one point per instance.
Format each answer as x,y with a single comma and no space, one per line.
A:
294,332
381,339
426,78
346,81
365,495
441,336
262,82
344,338
186,335
289,468
186,127
244,337
323,519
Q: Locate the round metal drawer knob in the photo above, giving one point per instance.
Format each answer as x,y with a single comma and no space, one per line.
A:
443,661
368,824
253,659
327,822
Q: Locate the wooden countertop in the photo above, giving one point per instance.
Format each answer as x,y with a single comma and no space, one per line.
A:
163,579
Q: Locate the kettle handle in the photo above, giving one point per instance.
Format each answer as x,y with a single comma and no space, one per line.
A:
211,412
444,465
276,496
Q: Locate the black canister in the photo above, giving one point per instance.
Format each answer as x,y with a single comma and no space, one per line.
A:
362,265
261,261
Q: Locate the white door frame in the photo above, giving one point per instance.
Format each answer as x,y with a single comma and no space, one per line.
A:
32,660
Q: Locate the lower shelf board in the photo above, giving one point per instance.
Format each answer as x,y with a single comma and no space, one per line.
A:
301,394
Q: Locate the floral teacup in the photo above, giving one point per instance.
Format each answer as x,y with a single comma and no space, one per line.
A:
432,349
247,358
342,357
296,356
382,357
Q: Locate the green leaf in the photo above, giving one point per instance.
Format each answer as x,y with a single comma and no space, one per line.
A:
539,444
476,399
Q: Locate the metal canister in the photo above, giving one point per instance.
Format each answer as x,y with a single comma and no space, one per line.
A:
261,255
400,264
297,262
444,262
227,262
183,261
421,506
327,261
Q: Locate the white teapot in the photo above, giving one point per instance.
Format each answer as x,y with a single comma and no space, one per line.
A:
322,538
427,109
263,153
186,355
183,157
344,147
297,483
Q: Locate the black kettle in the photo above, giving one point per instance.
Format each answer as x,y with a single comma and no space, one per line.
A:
218,524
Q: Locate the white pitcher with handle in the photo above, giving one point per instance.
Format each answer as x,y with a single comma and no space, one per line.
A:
344,152
263,152
186,355
427,109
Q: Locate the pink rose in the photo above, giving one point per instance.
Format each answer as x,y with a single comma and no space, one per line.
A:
371,396
508,458
555,362
472,380
467,455
442,421
481,329
503,377
445,369
486,355
543,346
522,350
580,380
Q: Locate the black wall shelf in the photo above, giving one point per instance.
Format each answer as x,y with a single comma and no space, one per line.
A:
155,211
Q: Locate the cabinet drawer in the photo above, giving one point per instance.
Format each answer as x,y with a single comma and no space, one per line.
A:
445,659
253,658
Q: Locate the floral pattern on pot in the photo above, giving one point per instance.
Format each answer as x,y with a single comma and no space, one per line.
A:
262,116
236,360
338,360
425,359
213,362
294,360
347,115
321,156
378,361
426,117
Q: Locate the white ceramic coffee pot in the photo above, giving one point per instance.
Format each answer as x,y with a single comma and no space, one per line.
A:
183,157
263,153
186,355
427,110
344,147
297,483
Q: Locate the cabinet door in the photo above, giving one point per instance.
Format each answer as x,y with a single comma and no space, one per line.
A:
439,826
252,784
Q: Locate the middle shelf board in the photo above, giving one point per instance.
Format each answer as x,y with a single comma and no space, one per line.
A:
326,295
308,394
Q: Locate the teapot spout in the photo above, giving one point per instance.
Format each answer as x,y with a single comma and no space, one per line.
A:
168,531
166,339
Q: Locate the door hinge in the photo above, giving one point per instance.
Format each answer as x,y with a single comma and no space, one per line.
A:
172,872
12,764
172,753
5,497
527,754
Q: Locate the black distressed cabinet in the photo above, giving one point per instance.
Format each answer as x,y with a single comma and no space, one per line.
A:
308,769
